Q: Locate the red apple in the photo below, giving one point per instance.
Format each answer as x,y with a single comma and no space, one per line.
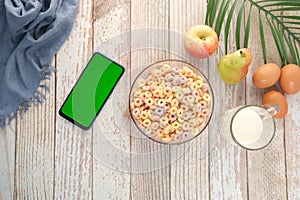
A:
200,41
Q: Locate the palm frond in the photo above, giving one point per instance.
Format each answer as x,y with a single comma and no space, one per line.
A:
284,26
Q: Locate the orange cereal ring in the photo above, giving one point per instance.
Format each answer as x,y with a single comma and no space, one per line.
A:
174,103
172,110
156,93
204,112
167,91
142,96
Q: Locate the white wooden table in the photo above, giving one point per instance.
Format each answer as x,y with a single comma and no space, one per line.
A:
44,157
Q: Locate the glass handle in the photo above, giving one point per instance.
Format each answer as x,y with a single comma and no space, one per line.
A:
271,108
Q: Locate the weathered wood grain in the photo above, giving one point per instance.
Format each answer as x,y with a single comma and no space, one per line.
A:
7,161
292,147
292,140
45,157
228,168
190,172
266,168
149,184
73,146
34,166
111,180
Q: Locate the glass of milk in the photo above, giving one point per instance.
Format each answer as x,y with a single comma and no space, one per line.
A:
251,127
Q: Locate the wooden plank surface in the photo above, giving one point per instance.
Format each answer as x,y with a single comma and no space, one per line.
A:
73,146
151,180
110,179
189,172
7,161
42,156
228,164
266,168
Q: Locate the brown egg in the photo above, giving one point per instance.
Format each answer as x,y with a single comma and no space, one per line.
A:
274,97
266,75
290,79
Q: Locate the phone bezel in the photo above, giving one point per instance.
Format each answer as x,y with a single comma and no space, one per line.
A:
73,121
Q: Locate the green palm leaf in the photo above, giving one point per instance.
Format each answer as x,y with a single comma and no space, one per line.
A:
284,25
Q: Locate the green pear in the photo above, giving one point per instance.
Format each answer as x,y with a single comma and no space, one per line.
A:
234,67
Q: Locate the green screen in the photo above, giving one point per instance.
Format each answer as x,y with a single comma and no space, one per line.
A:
91,90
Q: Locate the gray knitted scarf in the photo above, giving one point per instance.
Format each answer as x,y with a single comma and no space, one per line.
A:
31,32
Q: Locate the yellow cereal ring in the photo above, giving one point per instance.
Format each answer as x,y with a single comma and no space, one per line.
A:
148,94
206,97
180,120
149,102
166,139
175,125
174,103
138,91
183,72
199,83
147,122
169,98
150,113
179,112
189,81
144,114
161,103
132,106
194,86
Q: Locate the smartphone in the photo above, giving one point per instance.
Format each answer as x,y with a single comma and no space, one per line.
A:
91,91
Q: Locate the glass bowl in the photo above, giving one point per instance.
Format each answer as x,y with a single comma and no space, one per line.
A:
171,102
